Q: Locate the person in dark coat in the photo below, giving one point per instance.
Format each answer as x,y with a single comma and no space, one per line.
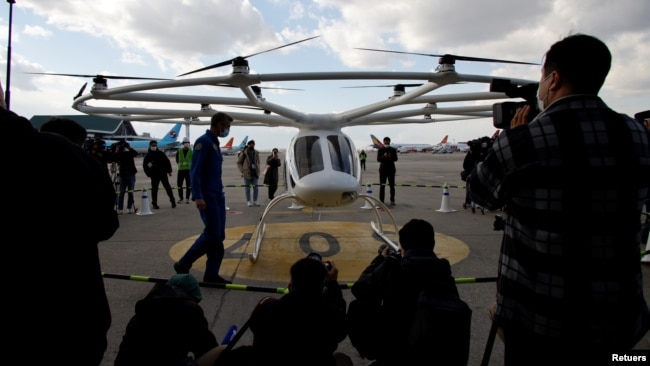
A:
395,281
54,323
124,156
158,167
167,325
272,175
387,156
303,327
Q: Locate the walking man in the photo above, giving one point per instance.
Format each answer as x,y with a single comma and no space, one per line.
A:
207,193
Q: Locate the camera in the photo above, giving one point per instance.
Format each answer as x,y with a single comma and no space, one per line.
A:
502,113
317,257
391,252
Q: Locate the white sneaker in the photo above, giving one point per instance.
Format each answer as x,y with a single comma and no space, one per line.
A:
249,203
131,210
256,203
187,201
119,212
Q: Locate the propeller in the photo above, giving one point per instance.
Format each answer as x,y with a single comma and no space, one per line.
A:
241,60
100,77
451,59
81,91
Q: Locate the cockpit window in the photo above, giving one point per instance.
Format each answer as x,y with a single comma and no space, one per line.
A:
308,155
340,153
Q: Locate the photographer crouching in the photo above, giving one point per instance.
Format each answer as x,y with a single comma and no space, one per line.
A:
386,295
573,181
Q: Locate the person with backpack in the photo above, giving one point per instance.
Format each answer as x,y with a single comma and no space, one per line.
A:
303,327
382,320
167,325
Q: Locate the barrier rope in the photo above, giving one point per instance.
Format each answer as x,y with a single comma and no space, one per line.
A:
276,290
282,185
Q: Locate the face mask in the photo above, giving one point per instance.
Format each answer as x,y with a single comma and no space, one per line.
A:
540,101
387,144
186,144
224,133
154,148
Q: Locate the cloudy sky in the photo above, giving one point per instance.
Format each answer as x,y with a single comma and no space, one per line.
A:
165,38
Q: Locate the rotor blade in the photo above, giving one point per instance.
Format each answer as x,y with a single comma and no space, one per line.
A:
228,62
286,45
455,57
96,76
81,91
384,86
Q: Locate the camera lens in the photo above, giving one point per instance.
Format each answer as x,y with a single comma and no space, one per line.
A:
315,256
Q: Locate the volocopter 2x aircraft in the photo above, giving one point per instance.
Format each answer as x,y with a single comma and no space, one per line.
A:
322,168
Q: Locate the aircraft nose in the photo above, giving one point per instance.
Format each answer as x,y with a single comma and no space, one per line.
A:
327,189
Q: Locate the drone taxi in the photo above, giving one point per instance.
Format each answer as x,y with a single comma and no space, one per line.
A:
322,168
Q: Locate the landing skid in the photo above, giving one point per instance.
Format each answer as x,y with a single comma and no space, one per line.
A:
377,228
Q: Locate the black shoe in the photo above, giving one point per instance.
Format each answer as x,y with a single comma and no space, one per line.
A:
178,269
216,279
155,206
173,204
392,203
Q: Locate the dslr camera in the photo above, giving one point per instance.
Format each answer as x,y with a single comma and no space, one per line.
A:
502,113
317,257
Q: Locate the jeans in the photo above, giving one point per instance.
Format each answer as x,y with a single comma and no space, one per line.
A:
127,182
210,242
247,188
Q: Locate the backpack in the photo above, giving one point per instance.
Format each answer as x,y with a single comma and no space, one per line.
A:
364,327
440,329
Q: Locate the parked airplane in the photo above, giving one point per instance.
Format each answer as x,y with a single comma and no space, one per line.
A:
168,142
401,148
228,145
230,150
444,147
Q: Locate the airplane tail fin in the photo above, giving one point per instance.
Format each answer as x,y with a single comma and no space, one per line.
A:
444,139
243,143
375,142
228,144
172,135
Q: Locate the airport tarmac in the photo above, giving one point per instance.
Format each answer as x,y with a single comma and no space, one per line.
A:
146,246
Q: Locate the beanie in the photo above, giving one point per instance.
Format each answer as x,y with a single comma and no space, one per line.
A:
185,284
417,234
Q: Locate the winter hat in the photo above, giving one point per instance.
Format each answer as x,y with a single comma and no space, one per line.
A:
417,234
185,284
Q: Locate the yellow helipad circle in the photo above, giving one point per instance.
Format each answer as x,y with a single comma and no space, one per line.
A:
350,245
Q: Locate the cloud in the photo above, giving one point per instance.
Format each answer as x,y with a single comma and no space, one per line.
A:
36,31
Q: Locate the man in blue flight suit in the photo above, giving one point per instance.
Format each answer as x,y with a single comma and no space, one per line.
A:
207,193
